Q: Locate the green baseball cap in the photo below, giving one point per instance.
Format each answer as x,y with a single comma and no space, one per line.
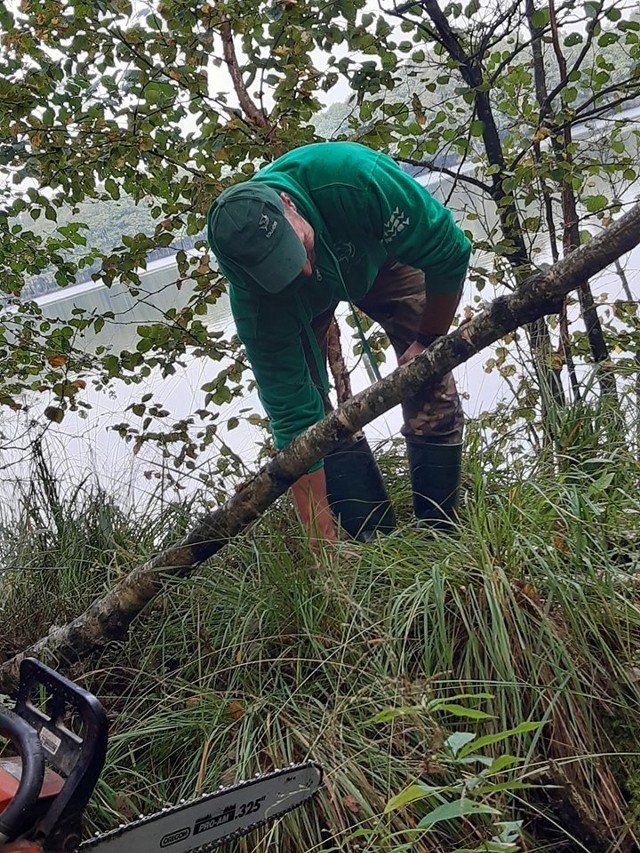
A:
246,226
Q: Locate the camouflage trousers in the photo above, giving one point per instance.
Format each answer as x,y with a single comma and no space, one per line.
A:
396,301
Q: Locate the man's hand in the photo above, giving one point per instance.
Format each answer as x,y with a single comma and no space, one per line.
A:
310,498
411,352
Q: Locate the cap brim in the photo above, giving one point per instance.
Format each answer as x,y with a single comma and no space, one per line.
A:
283,264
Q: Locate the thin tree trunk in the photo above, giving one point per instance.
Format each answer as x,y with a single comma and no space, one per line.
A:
108,619
337,364
571,240
470,68
540,81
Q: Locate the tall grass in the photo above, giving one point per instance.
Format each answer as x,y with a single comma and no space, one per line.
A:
269,654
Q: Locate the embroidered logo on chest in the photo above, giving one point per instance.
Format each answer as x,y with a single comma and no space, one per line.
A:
344,252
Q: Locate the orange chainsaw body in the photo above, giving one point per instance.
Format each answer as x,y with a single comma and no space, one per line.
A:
10,773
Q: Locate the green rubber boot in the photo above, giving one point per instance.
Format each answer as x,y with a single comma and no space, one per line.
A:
435,481
357,495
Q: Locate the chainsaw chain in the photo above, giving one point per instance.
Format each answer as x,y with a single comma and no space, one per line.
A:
98,838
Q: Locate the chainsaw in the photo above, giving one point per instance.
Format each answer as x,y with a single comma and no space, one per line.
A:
59,731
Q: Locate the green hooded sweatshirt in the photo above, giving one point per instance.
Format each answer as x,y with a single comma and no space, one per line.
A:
364,210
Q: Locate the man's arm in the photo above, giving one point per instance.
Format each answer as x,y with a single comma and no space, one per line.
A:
437,317
419,231
292,402
439,311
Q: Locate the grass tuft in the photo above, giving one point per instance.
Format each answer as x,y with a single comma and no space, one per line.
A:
269,655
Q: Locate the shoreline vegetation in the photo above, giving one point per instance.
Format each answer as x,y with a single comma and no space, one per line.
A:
401,666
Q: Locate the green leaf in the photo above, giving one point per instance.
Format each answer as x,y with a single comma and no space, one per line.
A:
595,203
55,414
475,758
607,39
275,11
165,239
476,127
112,188
540,18
456,809
144,345
7,21
488,740
573,39
157,92
461,711
410,795
603,482
457,740
502,762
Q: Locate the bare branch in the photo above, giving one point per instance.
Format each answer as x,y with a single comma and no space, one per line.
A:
565,75
253,113
430,166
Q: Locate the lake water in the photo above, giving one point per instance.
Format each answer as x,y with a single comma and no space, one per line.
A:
88,447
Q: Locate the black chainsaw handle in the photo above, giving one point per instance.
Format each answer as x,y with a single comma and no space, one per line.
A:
24,738
78,755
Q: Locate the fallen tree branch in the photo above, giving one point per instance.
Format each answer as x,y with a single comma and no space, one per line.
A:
108,619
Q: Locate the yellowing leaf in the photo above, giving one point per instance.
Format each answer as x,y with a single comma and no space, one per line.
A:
418,109
57,360
540,134
236,710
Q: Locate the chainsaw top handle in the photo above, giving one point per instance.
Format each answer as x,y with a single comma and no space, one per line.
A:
25,740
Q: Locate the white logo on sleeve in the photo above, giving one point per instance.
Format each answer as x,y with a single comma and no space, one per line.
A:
267,225
398,221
